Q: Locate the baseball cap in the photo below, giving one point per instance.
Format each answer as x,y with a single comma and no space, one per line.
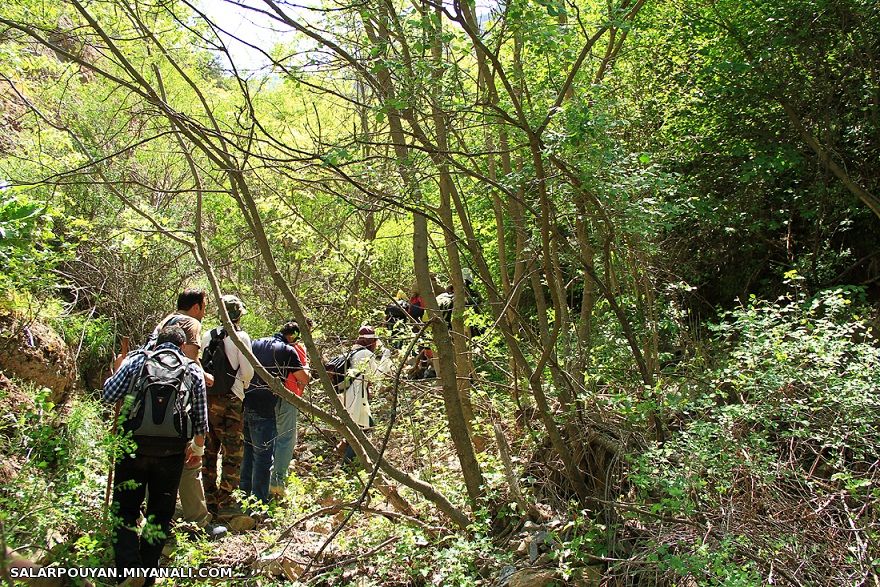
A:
234,307
367,332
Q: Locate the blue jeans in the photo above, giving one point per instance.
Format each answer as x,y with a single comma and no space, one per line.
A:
259,444
285,424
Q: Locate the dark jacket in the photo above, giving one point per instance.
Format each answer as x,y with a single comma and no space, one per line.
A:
279,359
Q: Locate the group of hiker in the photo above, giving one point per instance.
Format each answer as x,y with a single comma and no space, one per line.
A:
190,400
404,313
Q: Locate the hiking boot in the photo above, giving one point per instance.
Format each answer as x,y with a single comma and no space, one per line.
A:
214,531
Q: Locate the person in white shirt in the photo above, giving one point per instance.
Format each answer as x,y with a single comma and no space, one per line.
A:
364,371
232,374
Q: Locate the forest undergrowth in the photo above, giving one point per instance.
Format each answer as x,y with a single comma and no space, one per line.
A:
768,474
642,237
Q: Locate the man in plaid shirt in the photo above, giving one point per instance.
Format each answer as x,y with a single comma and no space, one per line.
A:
156,464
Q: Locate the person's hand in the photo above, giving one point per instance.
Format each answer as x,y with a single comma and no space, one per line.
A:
192,461
123,352
209,379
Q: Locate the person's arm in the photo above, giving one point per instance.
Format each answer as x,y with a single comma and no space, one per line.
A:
199,417
292,370
200,402
195,451
245,369
191,348
191,351
116,386
302,378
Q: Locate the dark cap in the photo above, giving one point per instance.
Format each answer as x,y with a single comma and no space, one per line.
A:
367,337
234,307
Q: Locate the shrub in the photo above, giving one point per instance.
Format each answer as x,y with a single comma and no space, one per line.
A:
49,506
774,466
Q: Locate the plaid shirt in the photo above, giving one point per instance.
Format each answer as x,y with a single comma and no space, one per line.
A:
117,386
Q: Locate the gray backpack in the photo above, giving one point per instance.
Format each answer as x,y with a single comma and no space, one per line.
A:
161,399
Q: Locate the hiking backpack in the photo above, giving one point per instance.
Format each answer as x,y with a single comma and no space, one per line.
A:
337,369
215,362
160,398
397,310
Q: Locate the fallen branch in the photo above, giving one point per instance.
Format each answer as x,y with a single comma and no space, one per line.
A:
352,559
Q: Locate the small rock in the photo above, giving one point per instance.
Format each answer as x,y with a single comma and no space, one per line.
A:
328,501
321,527
54,538
544,560
533,551
275,564
241,523
505,575
531,578
544,510
484,569
586,577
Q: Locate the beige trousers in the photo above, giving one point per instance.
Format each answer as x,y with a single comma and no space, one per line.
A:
192,497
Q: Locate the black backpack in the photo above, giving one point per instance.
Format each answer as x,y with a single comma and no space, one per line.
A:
397,311
337,369
215,362
160,399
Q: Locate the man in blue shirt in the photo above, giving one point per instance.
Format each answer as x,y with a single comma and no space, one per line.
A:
156,463
280,359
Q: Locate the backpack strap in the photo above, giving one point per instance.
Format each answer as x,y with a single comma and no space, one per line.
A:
128,398
171,321
348,366
135,394
217,336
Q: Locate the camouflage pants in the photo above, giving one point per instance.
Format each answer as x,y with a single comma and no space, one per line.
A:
225,437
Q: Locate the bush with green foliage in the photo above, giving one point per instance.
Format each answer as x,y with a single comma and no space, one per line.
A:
28,250
53,500
773,464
